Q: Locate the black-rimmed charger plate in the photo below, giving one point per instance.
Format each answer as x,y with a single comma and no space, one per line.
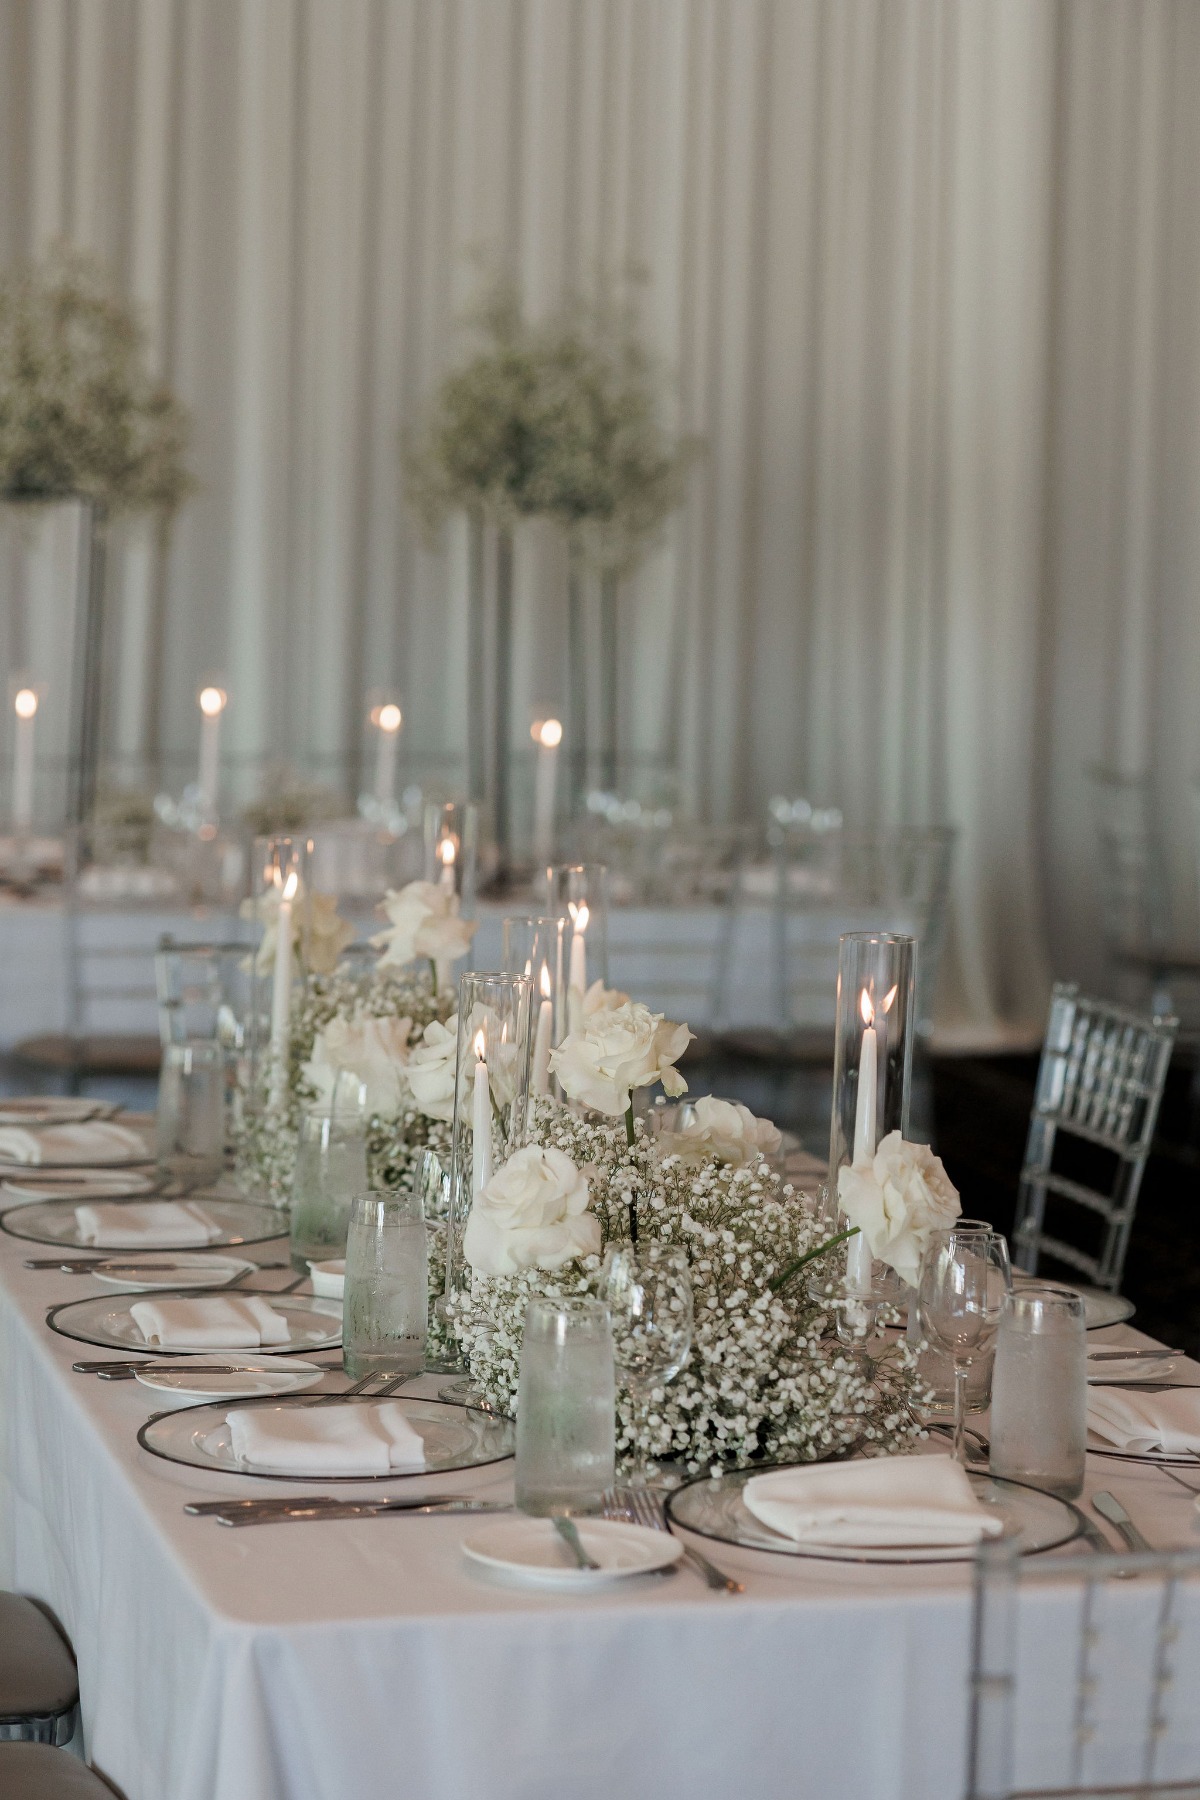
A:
53,1222
715,1509
455,1437
106,1320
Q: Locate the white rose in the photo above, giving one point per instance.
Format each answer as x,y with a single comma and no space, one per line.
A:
603,999
617,1050
898,1200
430,1070
321,934
721,1128
531,1215
375,1050
424,922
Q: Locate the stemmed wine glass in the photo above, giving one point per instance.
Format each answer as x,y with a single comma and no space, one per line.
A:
965,1275
648,1287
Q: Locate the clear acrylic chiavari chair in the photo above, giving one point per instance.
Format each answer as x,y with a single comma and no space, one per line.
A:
1100,1081
1098,1697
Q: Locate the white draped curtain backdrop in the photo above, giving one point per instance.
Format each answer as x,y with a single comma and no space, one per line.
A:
926,273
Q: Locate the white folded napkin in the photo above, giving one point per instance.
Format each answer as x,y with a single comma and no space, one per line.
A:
241,1322
92,1141
328,1439
1139,1423
165,1224
880,1502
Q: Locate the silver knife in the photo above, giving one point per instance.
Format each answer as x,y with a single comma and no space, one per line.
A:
366,1509
265,1502
569,1534
1125,1355
1110,1508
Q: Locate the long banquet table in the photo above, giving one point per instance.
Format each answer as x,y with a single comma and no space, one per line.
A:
354,1660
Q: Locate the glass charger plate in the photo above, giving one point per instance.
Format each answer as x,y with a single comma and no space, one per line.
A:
455,1437
715,1509
1099,1308
1096,1446
53,1222
107,1320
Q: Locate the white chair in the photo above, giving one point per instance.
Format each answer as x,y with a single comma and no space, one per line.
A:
1101,1700
1144,945
1100,1080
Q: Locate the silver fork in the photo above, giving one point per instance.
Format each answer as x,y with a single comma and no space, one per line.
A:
643,1507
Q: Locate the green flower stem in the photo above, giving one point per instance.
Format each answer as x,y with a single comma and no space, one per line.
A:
793,1269
433,974
631,1140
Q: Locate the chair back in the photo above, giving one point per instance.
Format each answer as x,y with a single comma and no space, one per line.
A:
1088,1685
1100,1080
1133,888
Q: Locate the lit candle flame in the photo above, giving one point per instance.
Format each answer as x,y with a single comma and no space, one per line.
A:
289,886
887,1005
579,916
212,701
25,703
546,983
446,852
547,732
390,717
866,1009
480,1044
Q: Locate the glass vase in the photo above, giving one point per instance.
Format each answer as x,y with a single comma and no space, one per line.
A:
452,850
538,948
578,893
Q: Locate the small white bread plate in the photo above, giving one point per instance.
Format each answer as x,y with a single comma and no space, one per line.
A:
143,1274
530,1553
329,1278
255,1375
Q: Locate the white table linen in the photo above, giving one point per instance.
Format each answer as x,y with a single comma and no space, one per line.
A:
331,1662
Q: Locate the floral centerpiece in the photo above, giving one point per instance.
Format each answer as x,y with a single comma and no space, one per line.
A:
766,1378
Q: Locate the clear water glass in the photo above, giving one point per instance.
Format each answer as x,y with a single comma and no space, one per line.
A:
965,1277
648,1288
190,1121
331,1168
1039,1394
566,1407
385,1304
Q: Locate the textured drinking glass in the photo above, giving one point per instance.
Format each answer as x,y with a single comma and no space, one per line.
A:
1039,1390
331,1168
190,1123
965,1277
648,1288
566,1407
385,1305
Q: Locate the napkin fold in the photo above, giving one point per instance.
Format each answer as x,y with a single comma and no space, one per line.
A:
880,1502
83,1185
1168,1422
225,1323
165,1224
326,1439
91,1141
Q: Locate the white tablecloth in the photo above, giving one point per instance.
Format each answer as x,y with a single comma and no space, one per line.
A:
363,1659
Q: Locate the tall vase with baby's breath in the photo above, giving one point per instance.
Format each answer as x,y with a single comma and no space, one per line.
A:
83,421
561,419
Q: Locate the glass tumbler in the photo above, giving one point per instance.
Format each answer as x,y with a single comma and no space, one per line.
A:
190,1122
566,1407
331,1167
1039,1390
385,1304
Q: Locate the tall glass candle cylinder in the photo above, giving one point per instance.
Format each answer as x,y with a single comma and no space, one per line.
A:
578,892
451,850
25,705
538,948
281,903
491,1094
212,702
872,1063
387,720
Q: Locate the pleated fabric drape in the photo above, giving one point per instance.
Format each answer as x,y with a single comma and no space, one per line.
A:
926,274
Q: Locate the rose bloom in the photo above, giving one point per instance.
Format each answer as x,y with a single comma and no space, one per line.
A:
430,1069
321,935
617,1050
898,1200
532,1214
375,1050
424,922
723,1128
603,999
